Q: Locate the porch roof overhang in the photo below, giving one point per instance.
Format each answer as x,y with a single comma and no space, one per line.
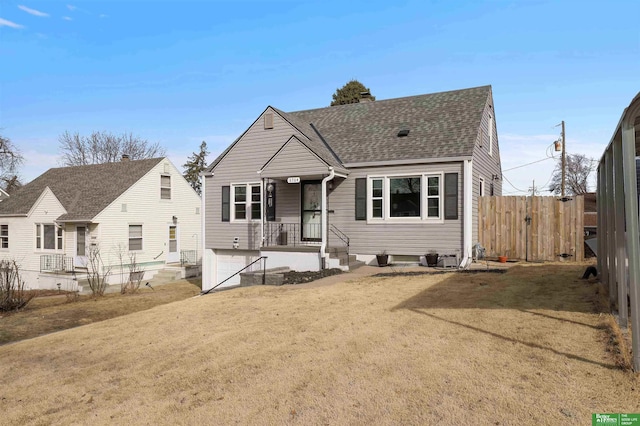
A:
74,220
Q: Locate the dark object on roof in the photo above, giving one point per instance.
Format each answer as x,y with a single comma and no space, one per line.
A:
84,191
403,133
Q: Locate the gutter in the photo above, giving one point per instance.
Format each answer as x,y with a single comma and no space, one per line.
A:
323,245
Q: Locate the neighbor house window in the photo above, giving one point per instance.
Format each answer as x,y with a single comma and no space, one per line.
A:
165,187
415,197
246,202
4,236
135,237
48,237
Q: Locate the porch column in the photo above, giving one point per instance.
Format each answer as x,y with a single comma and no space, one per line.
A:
323,225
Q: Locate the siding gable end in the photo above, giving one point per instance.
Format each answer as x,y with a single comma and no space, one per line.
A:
294,158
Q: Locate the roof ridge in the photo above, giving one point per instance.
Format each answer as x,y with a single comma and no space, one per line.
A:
382,101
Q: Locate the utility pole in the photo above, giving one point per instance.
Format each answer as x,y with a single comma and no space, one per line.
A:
533,189
564,159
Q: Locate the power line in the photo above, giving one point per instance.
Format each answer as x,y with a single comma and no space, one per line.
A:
514,187
528,164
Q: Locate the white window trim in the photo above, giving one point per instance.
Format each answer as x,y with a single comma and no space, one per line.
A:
3,237
57,249
166,187
247,201
386,204
129,225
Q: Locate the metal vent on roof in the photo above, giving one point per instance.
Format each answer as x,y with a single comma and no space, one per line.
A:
403,133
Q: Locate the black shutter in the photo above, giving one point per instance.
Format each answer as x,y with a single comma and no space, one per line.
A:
226,207
271,201
361,199
451,196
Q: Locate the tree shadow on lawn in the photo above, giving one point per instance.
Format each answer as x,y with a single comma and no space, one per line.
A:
555,287
528,289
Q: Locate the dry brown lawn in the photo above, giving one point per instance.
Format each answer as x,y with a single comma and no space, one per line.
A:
524,347
46,314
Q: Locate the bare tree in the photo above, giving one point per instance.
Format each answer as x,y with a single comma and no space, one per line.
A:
13,295
10,160
97,272
105,147
577,171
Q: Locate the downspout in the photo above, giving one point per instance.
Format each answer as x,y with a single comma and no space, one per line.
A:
323,245
467,214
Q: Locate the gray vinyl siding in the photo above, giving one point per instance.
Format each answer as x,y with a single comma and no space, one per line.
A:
295,159
395,238
241,165
485,165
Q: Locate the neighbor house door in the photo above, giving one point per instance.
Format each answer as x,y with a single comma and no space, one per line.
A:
173,254
80,258
311,211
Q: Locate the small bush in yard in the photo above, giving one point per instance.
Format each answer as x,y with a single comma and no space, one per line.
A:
13,295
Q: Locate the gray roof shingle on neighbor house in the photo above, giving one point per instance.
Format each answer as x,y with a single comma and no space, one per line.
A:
444,124
84,191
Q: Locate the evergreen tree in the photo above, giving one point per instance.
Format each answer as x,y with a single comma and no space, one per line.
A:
196,164
350,93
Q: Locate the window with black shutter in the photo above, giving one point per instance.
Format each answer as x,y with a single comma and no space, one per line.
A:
226,211
451,196
361,199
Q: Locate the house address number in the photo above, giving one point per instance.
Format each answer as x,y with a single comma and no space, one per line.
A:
293,180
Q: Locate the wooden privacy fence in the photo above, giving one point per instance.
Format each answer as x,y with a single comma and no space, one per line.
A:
532,228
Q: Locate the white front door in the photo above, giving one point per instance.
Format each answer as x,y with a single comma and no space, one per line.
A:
173,254
80,258
311,211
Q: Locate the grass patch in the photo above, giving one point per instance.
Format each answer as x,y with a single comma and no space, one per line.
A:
523,347
52,311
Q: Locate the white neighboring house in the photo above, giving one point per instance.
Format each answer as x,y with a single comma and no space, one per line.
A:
142,207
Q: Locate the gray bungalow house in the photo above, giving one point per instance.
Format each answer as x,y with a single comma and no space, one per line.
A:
308,188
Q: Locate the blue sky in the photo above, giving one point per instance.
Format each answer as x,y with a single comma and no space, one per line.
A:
181,72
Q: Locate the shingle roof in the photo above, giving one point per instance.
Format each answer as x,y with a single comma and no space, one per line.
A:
442,124
84,191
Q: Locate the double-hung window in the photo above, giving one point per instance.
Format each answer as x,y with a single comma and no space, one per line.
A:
48,237
4,236
135,237
246,202
407,197
165,187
